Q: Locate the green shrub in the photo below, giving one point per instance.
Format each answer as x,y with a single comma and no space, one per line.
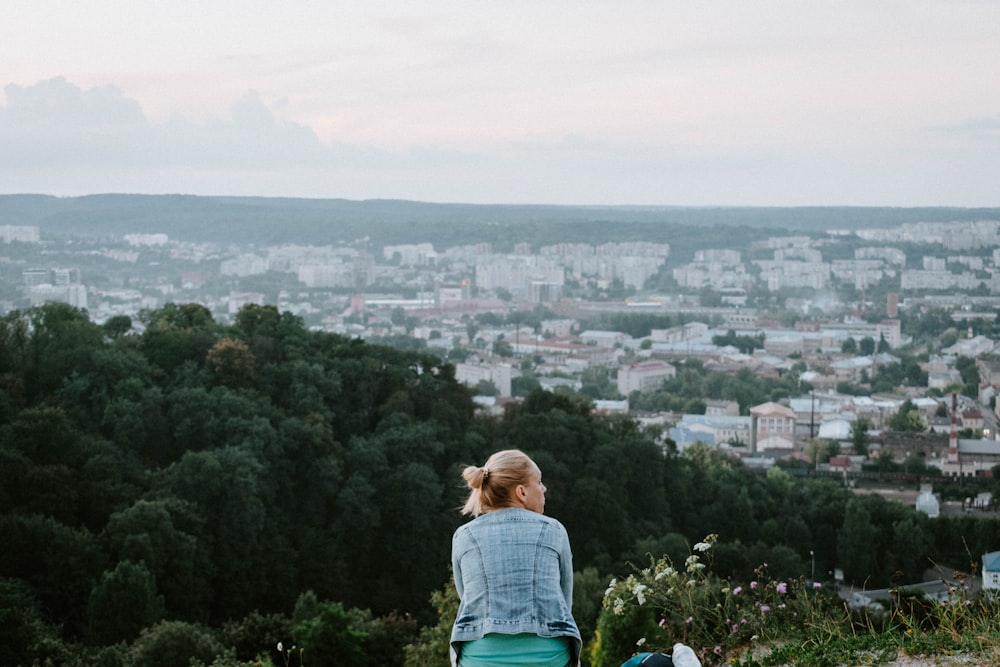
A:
663,604
256,635
174,644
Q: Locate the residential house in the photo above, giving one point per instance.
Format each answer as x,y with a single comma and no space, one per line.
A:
971,418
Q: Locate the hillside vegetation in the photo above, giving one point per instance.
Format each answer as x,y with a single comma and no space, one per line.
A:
207,491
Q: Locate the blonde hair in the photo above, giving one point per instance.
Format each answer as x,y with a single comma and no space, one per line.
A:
492,484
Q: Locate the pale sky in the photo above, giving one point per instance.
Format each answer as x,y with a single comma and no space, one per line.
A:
669,102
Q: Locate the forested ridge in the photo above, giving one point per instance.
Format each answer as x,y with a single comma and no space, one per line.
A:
275,220
249,483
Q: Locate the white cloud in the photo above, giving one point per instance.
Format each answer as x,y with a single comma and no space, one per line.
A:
59,125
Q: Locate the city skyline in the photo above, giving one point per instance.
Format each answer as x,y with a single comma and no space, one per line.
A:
723,103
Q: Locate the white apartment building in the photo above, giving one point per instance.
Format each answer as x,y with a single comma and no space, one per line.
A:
644,376
73,294
22,233
634,249
779,274
858,272
244,265
893,256
411,255
472,374
330,274
517,272
938,280
146,239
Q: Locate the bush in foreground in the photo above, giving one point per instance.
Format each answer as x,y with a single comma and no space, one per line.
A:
772,621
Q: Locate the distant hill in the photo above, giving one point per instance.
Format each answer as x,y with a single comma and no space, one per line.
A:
268,221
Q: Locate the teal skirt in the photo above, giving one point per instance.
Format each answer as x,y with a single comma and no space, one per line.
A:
527,650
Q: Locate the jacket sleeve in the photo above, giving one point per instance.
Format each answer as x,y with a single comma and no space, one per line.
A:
566,566
456,566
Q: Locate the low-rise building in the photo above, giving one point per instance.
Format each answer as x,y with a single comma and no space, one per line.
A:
644,376
471,374
772,427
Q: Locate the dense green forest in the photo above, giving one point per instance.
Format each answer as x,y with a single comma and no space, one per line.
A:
175,487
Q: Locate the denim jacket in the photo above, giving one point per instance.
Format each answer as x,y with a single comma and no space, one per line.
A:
514,573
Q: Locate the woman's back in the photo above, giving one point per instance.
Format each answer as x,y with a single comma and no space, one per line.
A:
513,571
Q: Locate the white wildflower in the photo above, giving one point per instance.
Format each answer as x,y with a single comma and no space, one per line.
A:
281,647
642,640
669,571
702,546
639,592
619,606
691,561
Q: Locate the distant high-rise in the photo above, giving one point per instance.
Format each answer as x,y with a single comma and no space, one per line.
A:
22,233
63,277
33,277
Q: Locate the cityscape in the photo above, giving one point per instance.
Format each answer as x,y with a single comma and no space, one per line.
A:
535,317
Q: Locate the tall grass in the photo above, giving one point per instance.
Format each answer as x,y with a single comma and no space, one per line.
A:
767,621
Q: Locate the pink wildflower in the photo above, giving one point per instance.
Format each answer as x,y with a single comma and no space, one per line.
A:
753,585
782,587
737,590
764,609
817,585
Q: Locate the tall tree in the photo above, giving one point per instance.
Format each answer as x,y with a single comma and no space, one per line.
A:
123,602
856,540
860,438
